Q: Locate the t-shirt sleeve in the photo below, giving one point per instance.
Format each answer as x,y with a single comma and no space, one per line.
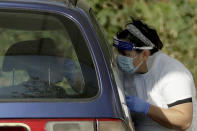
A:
177,88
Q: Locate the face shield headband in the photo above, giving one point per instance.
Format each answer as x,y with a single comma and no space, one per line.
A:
122,45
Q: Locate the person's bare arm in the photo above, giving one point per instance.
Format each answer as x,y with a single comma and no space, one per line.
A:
177,117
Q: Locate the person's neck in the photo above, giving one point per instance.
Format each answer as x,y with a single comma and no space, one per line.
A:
143,69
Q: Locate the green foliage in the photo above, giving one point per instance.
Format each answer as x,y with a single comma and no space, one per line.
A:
175,21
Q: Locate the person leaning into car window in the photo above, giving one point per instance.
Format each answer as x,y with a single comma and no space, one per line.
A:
159,90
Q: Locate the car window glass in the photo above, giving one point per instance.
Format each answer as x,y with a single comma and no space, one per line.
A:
44,56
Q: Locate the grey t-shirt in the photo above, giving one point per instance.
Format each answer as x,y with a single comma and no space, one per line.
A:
166,82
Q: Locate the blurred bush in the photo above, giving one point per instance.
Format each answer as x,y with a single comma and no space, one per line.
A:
175,21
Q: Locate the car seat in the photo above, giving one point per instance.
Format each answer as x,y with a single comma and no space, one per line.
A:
39,58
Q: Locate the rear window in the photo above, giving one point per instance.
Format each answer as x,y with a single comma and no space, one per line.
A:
43,56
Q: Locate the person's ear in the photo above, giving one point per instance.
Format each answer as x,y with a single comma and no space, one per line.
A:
145,54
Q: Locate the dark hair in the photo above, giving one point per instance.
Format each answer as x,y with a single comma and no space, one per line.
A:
148,32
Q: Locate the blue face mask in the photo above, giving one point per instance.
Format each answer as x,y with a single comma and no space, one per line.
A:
125,64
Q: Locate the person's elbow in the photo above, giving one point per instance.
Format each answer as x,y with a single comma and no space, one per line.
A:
186,125
184,116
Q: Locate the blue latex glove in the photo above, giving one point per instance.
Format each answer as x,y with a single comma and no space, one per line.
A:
136,104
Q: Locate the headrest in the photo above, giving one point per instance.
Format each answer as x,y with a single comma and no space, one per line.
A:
22,55
43,46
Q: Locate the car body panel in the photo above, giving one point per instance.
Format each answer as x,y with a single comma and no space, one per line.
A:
104,105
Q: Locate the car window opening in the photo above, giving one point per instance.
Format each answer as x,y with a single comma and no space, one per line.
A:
44,61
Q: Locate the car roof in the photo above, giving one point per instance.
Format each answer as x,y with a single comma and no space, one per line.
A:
65,3
53,2
38,1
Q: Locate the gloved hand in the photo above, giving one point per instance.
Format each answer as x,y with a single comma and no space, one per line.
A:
136,104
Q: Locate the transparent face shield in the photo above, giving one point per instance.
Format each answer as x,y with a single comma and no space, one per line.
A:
124,45
127,49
